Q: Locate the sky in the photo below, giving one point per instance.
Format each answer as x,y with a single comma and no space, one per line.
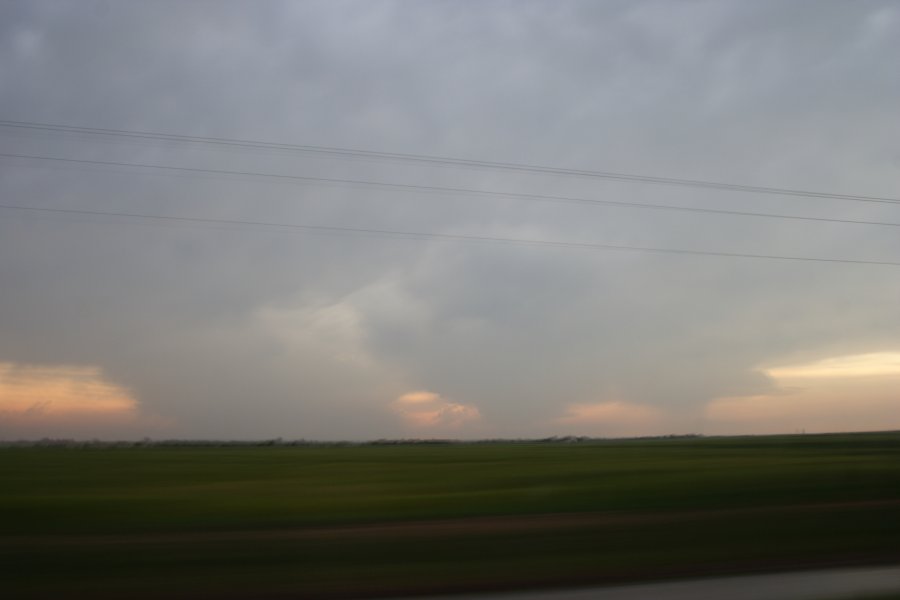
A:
231,327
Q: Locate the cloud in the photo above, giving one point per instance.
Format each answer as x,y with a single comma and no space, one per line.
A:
427,412
844,393
614,418
67,401
254,332
815,410
63,390
856,365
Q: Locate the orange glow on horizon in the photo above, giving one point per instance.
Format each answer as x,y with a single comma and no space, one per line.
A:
69,401
614,417
856,365
428,410
58,391
844,393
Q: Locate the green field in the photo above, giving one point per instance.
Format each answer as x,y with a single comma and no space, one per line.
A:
369,520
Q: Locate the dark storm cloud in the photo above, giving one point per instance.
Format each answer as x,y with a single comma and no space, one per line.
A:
232,332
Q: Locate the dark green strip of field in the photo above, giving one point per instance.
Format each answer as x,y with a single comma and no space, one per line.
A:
369,520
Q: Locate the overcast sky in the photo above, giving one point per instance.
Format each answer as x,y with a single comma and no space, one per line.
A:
123,327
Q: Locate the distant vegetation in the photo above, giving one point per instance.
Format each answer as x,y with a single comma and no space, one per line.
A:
95,443
391,517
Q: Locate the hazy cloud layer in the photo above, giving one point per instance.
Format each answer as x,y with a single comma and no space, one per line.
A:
240,331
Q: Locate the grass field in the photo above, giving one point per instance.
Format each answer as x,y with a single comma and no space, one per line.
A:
369,520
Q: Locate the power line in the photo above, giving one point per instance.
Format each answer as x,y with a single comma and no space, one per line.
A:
418,235
443,160
453,190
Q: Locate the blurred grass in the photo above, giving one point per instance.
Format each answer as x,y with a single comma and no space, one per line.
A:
718,505
116,490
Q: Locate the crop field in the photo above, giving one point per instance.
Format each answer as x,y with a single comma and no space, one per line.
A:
281,521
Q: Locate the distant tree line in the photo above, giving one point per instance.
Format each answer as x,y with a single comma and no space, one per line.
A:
201,443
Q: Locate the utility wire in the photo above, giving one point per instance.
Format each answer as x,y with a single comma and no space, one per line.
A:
417,235
443,160
453,190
